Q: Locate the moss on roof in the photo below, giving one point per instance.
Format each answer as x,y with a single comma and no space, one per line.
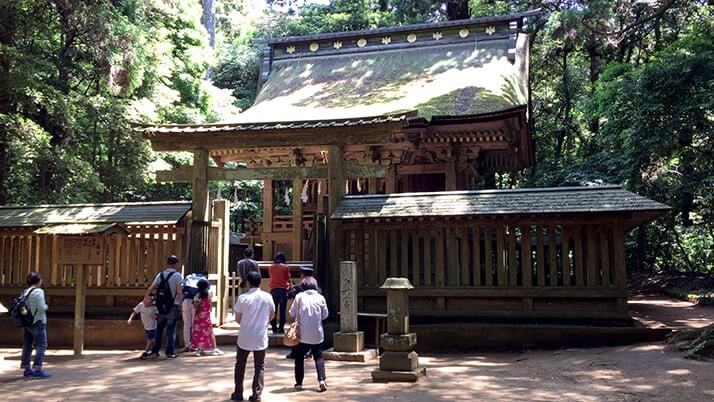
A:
452,79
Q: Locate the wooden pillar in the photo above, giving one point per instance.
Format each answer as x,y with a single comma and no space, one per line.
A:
221,212
336,176
200,225
372,184
297,220
267,220
451,176
391,180
80,284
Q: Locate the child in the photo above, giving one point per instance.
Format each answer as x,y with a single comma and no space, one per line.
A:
148,314
202,338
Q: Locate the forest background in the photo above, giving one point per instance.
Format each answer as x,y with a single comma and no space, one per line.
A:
623,93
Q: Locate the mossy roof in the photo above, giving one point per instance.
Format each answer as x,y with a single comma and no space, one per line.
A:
450,79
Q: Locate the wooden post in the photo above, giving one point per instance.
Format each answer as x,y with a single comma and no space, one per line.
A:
336,175
297,220
200,226
372,183
391,180
267,219
451,176
221,212
80,283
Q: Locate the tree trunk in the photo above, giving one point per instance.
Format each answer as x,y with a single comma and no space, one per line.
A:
209,22
8,20
457,10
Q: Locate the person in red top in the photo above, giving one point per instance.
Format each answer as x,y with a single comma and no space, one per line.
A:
279,285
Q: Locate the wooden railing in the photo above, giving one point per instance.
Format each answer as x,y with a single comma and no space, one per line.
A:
131,261
482,259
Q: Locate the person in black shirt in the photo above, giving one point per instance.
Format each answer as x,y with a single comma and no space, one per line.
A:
246,265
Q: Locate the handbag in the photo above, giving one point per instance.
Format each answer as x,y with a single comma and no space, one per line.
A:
292,335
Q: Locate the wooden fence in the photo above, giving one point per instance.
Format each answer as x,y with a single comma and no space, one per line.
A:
492,267
131,261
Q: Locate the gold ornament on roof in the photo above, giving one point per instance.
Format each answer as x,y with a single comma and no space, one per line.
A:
386,40
411,38
490,30
437,35
463,33
290,49
314,46
362,42
337,45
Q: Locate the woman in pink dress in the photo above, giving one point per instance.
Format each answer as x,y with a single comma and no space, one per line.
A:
202,330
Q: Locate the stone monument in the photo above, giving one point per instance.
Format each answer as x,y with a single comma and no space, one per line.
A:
349,342
399,362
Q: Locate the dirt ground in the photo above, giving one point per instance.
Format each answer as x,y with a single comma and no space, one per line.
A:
644,372
647,372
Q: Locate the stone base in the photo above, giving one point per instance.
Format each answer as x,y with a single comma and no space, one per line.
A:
399,343
398,361
351,342
398,376
363,356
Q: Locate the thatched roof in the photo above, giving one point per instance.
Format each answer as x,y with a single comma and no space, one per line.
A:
129,213
454,79
530,201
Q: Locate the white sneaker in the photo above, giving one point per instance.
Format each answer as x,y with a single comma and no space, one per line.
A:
216,352
323,386
199,352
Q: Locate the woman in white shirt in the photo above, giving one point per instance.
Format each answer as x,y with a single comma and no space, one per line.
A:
310,309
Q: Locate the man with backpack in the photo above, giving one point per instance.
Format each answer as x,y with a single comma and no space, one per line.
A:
168,302
246,265
28,311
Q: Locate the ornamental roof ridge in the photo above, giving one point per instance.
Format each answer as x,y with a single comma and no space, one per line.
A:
401,28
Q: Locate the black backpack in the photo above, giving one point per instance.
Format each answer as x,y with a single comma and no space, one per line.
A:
164,298
20,312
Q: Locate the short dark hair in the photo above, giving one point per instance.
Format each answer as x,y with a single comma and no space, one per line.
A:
309,283
33,278
248,252
204,273
172,259
279,258
253,279
202,288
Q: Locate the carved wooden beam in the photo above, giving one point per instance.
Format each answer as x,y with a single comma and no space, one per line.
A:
352,171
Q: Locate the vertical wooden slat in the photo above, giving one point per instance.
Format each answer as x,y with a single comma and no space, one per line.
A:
500,260
393,267
593,249
359,253
452,275
526,268
605,254
464,249
540,256
578,254
382,256
373,269
14,270
124,261
565,256
28,255
512,258
116,261
618,254
488,256
426,235
404,263
439,255
416,260
476,255
36,251
552,256
2,260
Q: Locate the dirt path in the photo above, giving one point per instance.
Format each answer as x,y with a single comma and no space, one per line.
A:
649,372
663,311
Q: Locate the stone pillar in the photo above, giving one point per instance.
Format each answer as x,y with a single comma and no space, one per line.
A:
399,362
349,342
348,339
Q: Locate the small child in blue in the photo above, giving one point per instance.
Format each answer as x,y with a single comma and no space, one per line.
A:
148,313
